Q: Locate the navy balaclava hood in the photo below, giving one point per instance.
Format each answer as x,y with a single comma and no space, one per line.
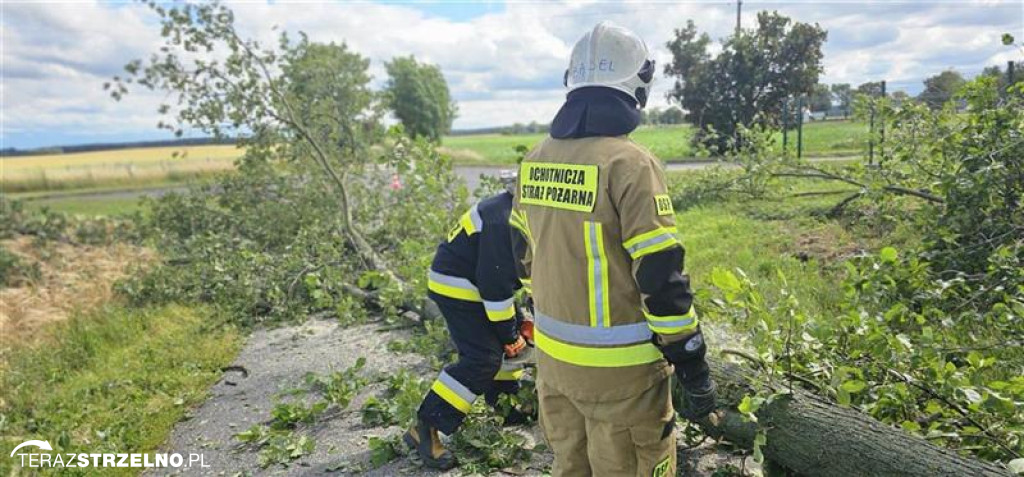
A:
595,111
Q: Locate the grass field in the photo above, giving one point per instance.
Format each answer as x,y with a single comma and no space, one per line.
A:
115,380
667,142
20,177
123,167
101,205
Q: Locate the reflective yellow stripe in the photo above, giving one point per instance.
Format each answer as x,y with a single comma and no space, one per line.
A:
527,285
654,248
597,274
509,375
501,315
451,397
673,324
650,242
632,355
649,235
467,224
452,287
517,220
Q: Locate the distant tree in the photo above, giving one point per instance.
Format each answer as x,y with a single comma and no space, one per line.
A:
418,95
899,97
842,93
673,115
821,98
871,88
939,89
651,116
745,84
1003,76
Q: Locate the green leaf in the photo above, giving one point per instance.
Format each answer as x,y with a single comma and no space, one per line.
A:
759,441
910,426
888,255
725,280
843,396
854,386
748,406
1008,40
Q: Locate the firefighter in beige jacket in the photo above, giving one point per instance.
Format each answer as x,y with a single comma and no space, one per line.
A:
613,312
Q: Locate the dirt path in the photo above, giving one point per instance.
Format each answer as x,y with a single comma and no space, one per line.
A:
277,361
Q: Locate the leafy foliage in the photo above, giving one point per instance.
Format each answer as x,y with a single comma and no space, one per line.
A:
927,338
339,387
277,447
399,402
747,82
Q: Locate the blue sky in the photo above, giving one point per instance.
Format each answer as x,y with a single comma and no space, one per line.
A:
503,60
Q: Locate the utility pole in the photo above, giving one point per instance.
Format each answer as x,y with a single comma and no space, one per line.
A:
739,10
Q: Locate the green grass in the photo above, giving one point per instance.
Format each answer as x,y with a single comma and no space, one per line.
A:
670,143
767,237
89,206
116,380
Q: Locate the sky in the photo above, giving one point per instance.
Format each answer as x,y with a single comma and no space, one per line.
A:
503,60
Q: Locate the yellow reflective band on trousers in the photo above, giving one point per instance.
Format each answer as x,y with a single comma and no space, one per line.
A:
632,355
597,274
669,325
453,392
500,310
649,242
452,287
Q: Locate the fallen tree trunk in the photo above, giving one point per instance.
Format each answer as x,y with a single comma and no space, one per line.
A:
812,436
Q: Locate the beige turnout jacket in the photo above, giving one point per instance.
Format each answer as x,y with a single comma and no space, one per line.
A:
593,207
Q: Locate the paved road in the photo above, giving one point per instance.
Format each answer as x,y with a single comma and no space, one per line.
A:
471,174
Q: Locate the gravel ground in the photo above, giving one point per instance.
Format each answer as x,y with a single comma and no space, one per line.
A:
277,361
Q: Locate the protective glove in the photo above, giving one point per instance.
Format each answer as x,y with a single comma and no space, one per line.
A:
513,349
526,331
687,355
699,401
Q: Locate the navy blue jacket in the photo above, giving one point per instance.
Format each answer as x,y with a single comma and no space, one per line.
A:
476,262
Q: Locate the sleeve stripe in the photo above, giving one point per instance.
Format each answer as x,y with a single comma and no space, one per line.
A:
499,305
672,324
472,221
649,235
500,310
654,247
501,315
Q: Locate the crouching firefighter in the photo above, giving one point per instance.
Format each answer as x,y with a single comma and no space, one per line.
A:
614,314
474,280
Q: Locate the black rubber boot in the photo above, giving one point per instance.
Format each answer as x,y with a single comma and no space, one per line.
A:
427,443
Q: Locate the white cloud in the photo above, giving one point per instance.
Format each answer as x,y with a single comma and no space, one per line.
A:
503,67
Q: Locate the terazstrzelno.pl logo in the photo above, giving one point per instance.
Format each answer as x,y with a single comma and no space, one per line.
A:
38,459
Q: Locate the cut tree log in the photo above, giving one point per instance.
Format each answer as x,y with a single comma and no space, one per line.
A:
812,436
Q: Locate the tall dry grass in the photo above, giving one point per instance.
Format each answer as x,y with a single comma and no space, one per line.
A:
72,279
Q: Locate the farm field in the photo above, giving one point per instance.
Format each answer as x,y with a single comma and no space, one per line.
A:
113,168
28,176
831,138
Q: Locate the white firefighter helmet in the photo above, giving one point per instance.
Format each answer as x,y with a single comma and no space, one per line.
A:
612,57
